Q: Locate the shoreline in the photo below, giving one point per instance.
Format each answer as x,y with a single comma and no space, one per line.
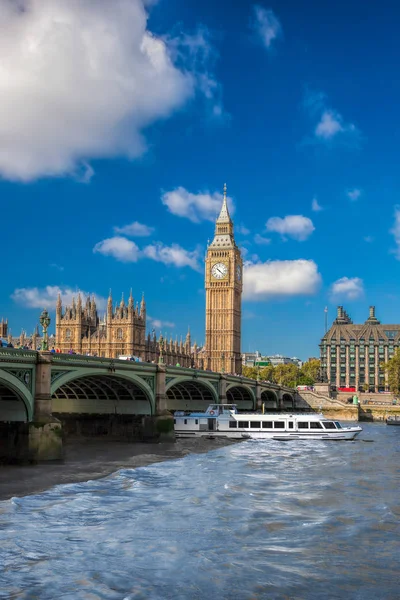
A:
86,459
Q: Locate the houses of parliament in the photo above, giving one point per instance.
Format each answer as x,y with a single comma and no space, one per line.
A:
122,329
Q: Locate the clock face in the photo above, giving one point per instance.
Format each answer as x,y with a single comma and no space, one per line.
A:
219,270
238,273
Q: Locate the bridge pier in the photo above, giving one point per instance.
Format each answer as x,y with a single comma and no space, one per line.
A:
258,396
160,426
45,431
222,389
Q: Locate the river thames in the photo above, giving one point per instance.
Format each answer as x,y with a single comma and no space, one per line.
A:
260,519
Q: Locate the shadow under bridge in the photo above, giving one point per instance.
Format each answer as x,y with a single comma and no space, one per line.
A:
12,405
101,395
270,400
242,396
190,395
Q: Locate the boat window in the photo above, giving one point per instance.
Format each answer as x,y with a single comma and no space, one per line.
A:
185,421
290,424
315,425
329,425
196,421
174,421
279,425
255,424
243,424
338,425
267,424
232,424
302,425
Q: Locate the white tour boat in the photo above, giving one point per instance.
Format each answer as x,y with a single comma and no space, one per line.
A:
223,420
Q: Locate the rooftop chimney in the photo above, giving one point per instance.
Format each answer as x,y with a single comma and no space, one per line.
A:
372,318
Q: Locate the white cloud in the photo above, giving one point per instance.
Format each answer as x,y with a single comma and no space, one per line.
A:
172,255
295,226
242,229
83,80
315,206
195,207
349,288
159,324
119,247
280,278
259,239
56,266
135,229
330,124
266,25
395,231
47,297
354,194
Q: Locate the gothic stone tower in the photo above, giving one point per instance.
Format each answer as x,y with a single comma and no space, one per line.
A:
223,282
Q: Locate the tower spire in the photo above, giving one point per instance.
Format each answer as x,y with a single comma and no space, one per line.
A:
224,216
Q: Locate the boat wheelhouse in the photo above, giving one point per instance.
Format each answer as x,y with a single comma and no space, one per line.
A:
224,420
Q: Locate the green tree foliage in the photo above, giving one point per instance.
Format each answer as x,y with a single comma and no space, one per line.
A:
250,372
310,370
289,374
286,374
392,367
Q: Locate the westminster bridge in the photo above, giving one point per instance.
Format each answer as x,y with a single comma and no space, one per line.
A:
49,392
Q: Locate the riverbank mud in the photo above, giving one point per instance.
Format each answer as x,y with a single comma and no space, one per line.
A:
92,459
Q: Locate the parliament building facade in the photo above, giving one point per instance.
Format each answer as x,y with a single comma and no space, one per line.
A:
122,329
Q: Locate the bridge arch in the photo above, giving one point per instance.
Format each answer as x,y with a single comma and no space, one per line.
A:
190,394
270,399
287,400
16,403
94,392
241,395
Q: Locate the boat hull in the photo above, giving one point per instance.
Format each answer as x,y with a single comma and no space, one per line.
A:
341,434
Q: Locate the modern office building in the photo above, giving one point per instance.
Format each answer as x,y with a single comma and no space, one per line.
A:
252,359
352,355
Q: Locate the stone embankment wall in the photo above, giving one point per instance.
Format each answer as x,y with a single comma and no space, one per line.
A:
369,409
331,408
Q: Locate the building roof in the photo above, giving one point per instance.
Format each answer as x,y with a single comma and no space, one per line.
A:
343,329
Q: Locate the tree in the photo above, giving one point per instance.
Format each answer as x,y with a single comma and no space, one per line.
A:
286,374
392,368
267,373
250,372
310,372
261,373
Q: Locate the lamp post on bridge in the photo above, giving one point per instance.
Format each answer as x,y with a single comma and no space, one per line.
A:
161,344
45,320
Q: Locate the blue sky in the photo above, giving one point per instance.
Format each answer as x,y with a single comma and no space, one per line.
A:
120,126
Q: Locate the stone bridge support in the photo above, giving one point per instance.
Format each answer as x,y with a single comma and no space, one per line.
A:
258,396
160,426
222,390
45,431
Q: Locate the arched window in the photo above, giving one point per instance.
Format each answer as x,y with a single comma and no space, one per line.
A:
68,334
119,334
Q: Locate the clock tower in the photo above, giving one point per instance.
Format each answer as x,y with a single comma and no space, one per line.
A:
223,283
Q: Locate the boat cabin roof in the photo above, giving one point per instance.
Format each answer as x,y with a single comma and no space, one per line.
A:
216,410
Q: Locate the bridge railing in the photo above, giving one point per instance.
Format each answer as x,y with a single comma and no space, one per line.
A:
18,354
100,360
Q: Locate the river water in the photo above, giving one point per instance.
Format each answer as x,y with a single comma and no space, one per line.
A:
256,520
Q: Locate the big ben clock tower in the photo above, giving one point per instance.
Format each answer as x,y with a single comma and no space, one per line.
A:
223,282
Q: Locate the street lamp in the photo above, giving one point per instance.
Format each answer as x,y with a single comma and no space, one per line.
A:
161,344
44,320
223,362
